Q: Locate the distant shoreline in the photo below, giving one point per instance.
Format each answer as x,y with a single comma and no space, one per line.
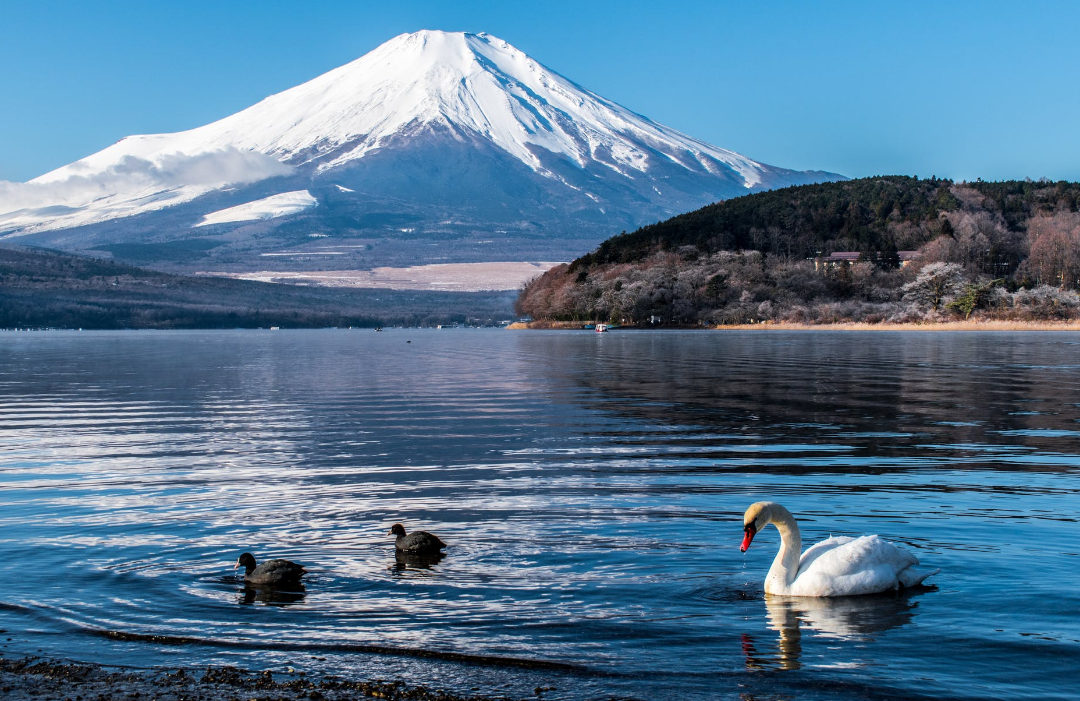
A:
967,325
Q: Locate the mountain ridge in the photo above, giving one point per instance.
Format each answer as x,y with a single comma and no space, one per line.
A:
427,91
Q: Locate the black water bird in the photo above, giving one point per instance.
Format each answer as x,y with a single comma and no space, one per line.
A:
272,572
419,543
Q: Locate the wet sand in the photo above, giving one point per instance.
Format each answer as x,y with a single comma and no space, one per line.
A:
40,678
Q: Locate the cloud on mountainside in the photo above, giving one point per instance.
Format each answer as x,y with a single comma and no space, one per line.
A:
133,175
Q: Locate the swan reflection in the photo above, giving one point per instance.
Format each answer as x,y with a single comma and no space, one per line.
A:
271,595
835,618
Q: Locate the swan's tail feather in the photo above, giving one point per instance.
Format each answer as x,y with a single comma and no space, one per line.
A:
915,575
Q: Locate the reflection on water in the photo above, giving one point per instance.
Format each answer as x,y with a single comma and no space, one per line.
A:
276,596
848,618
411,561
592,486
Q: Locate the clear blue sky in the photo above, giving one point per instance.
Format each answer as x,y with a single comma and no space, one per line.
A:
958,89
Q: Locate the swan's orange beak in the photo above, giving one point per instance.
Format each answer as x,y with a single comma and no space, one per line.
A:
748,535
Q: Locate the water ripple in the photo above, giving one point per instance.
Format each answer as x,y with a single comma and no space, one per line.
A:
591,491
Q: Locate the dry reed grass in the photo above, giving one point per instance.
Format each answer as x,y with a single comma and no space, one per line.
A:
965,325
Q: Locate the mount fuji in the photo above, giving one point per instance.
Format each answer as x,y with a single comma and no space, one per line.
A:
434,147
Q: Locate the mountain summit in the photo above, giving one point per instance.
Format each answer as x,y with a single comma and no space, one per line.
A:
432,133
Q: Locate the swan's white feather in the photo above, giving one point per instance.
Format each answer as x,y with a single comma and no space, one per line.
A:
844,566
815,551
915,575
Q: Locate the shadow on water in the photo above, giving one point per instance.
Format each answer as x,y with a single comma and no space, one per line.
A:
846,618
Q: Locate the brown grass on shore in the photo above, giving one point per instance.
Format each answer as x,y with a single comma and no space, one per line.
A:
964,325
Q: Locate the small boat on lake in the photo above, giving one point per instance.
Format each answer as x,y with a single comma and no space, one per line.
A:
601,328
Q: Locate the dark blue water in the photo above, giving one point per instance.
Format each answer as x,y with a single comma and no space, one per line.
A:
591,487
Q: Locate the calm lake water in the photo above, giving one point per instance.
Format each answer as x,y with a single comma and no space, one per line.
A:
591,487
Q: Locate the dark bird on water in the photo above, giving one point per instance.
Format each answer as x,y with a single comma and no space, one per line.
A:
270,572
420,542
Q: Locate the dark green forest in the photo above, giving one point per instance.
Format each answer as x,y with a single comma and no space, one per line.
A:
867,215
40,289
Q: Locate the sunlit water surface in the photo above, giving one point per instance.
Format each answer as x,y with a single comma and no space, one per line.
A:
591,487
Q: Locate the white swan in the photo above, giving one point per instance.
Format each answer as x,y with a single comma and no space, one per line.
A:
839,566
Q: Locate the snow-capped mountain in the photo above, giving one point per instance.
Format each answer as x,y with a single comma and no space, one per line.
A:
435,130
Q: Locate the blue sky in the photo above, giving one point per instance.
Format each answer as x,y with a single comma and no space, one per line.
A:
955,89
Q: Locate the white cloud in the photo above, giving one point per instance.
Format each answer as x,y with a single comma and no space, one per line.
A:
135,175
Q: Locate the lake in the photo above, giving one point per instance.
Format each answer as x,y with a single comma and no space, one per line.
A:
591,487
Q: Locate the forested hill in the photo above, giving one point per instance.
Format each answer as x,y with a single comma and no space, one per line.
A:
40,288
766,257
866,215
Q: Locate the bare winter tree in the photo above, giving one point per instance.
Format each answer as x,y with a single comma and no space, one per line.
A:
1054,257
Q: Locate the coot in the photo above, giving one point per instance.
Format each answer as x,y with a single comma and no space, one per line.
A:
420,542
270,572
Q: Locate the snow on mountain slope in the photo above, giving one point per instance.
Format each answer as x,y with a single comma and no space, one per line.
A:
471,86
271,207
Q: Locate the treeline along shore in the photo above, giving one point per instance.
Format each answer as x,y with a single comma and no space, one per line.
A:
883,250
49,289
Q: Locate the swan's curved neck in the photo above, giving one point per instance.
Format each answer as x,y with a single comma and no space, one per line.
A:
786,565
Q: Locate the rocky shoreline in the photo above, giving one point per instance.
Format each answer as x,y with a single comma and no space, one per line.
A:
41,678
